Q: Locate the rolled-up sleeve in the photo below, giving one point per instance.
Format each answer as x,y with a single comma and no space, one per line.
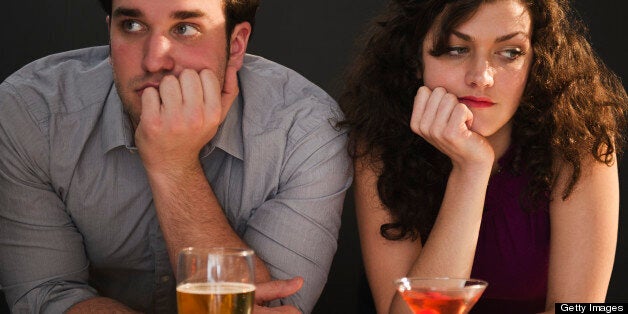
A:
296,231
43,267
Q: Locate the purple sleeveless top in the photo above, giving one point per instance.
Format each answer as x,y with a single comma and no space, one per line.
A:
512,253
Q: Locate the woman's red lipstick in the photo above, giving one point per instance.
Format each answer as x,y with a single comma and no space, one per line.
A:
476,102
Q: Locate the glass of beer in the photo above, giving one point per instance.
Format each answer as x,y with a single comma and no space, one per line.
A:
215,280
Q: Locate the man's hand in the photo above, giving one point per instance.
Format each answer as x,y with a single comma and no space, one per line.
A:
276,289
182,117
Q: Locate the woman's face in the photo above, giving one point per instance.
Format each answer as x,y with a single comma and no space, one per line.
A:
486,65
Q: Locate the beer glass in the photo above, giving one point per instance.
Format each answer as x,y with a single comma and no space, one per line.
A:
215,280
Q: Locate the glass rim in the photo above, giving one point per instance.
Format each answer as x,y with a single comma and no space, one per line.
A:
473,281
232,251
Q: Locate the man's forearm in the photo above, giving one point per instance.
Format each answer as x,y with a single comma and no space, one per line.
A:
190,215
177,121
99,305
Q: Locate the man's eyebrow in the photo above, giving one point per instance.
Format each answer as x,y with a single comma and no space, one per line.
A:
499,39
122,11
183,15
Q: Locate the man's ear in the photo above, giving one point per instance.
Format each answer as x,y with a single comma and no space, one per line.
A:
108,20
238,43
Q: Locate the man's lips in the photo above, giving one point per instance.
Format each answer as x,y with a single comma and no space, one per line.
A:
140,90
476,102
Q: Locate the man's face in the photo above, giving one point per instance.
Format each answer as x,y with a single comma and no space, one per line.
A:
152,38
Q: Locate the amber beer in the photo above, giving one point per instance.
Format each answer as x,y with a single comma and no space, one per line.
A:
216,298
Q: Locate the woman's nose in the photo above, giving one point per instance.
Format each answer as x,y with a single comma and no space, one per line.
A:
480,74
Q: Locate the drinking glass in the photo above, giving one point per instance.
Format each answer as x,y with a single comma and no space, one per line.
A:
440,295
215,280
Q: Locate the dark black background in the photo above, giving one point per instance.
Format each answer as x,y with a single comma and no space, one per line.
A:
315,38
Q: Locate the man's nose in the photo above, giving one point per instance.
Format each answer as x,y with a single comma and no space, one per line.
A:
158,54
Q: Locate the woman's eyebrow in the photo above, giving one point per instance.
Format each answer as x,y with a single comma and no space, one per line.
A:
499,39
462,36
511,35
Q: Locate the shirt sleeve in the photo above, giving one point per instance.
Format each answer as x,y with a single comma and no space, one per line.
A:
296,231
43,266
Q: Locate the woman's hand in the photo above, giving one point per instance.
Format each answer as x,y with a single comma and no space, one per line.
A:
444,122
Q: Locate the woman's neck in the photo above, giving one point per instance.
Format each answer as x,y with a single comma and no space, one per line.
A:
500,141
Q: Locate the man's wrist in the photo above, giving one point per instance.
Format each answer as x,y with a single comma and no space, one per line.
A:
174,171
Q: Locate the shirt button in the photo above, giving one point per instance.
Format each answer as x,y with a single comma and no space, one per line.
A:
165,279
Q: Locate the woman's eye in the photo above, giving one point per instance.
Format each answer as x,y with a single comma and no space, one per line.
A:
186,30
132,26
512,54
457,51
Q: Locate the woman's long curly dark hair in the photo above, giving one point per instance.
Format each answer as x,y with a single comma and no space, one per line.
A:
572,106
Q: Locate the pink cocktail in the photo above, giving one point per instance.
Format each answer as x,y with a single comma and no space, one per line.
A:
440,295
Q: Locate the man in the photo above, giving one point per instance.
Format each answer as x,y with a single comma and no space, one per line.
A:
112,159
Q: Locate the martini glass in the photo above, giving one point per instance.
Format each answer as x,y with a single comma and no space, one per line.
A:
440,295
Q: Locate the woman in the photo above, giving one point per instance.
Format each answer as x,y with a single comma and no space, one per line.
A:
485,136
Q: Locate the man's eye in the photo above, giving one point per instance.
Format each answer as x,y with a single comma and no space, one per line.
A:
457,51
132,26
186,30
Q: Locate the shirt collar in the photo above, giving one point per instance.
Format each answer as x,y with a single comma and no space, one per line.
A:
229,135
116,125
117,129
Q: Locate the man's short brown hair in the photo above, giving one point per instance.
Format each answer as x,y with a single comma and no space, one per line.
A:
236,12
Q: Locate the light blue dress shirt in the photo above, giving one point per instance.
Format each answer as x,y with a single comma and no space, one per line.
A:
77,217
